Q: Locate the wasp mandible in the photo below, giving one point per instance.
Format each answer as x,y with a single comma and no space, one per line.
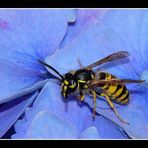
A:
85,81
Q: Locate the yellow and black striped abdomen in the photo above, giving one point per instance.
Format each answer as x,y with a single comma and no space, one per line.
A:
117,92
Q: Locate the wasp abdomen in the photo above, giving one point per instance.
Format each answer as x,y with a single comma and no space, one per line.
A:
117,92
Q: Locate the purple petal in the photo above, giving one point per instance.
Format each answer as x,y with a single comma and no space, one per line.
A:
12,110
77,115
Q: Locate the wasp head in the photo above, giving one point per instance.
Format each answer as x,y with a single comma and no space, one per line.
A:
69,84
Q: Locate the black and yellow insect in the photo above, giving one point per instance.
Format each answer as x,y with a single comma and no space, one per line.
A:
86,81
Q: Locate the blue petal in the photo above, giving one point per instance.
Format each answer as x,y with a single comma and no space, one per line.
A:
12,110
106,129
78,115
40,30
119,30
70,15
135,113
101,39
126,30
144,75
25,36
85,17
17,82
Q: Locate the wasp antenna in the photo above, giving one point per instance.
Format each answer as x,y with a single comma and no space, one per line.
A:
121,54
50,67
126,53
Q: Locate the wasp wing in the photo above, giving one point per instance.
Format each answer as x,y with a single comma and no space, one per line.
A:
111,57
114,81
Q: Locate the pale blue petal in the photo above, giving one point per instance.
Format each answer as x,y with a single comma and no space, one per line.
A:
12,110
73,112
105,128
90,133
46,125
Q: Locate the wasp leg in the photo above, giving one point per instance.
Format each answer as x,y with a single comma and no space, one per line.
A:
94,99
113,107
81,97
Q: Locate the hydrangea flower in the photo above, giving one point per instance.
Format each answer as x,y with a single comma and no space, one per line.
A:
89,36
26,37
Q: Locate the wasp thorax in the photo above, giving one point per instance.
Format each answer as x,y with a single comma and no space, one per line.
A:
69,84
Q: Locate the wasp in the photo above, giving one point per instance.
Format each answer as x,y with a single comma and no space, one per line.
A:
85,81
